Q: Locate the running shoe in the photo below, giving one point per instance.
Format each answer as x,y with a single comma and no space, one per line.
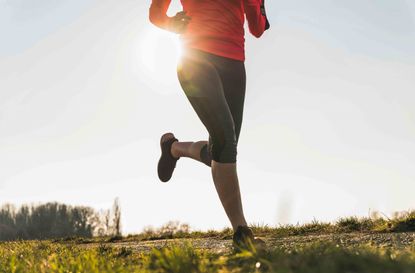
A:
167,161
243,239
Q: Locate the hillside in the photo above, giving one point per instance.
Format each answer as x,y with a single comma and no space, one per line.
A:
350,245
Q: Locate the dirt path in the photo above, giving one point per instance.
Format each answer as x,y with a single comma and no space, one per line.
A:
388,240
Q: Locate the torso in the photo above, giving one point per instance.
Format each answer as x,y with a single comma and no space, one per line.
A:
216,27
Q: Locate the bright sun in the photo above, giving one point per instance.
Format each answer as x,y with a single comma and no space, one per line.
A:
159,53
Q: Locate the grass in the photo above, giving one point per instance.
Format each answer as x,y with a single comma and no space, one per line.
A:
46,256
104,255
401,222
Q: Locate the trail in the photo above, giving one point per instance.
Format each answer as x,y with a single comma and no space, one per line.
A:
398,241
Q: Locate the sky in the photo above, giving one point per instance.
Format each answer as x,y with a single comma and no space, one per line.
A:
88,87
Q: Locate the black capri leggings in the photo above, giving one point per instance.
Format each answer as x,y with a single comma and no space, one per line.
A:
215,87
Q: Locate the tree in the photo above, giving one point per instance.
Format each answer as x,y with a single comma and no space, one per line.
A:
52,220
116,221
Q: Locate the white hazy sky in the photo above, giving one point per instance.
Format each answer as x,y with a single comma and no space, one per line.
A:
87,87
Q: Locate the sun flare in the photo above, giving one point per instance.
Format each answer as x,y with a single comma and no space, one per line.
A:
160,52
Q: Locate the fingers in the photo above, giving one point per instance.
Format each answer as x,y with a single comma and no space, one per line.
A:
179,22
181,16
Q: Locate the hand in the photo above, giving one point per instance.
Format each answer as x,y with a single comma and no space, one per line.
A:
179,22
263,12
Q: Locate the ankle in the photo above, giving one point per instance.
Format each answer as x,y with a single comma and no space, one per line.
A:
174,151
239,223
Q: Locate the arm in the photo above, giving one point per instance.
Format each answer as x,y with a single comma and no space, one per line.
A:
257,20
157,13
158,17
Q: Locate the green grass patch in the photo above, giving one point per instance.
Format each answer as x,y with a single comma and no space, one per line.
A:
73,254
46,256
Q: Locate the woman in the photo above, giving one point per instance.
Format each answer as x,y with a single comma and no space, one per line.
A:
212,75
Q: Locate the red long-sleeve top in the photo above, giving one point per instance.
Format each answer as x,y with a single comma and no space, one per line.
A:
217,26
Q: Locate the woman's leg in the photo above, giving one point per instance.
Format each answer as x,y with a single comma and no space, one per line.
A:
203,87
226,183
225,174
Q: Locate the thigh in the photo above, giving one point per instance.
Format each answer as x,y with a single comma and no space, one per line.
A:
234,83
233,77
203,87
